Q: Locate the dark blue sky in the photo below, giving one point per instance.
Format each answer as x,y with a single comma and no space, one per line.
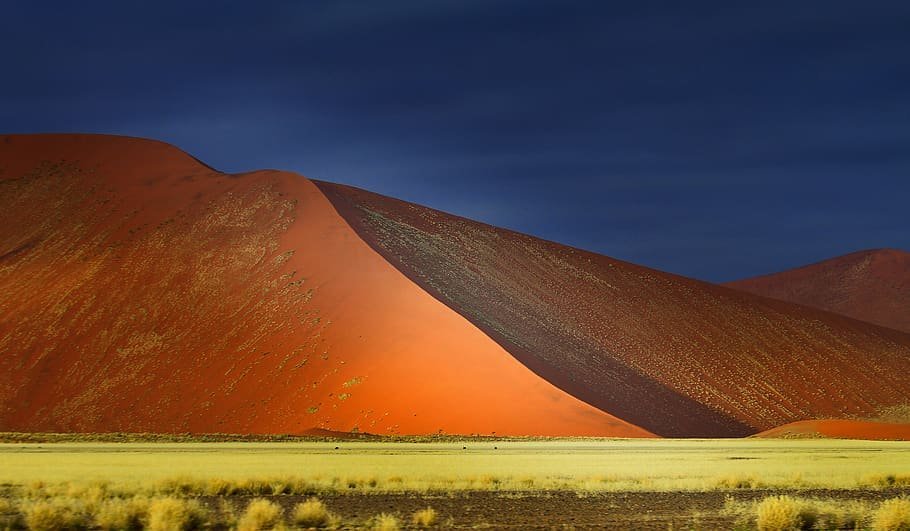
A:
709,139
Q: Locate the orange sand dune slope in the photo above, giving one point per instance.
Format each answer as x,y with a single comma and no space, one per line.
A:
673,355
871,286
841,429
144,291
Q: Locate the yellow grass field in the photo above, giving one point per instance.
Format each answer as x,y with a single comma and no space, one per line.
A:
577,465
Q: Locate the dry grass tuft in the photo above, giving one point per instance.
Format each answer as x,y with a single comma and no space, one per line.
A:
9,515
54,513
779,513
833,515
887,480
227,516
385,522
892,515
313,513
261,514
424,517
119,514
169,514
785,512
737,482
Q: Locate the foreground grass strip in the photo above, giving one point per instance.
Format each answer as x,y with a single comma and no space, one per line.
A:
773,513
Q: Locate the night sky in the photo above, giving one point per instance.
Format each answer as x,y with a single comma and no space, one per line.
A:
710,139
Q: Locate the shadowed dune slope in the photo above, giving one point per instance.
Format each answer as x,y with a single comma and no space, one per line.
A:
676,356
144,291
840,429
872,286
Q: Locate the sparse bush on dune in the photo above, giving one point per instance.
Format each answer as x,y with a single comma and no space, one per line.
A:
122,514
424,517
385,522
261,514
899,414
170,514
892,515
313,513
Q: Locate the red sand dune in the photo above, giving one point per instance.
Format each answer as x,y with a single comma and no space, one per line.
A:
841,429
673,355
145,291
872,286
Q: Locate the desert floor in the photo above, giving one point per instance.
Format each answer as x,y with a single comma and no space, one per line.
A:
580,483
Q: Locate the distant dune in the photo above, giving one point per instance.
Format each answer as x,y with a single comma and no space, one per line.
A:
145,291
872,286
840,429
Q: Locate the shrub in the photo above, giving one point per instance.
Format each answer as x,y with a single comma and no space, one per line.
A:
778,513
260,514
118,514
892,515
736,482
227,516
169,513
179,486
9,515
887,480
313,513
424,517
219,487
833,515
54,513
385,522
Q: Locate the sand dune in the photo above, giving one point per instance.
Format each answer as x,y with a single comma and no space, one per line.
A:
144,291
841,429
673,355
872,286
